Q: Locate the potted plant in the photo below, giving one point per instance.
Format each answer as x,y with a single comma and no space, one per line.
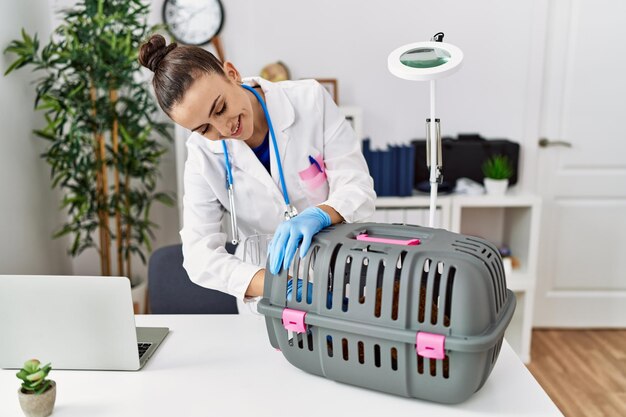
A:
100,128
497,170
37,394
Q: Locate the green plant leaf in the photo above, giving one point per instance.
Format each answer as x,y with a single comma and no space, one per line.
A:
43,388
36,376
497,167
31,365
22,374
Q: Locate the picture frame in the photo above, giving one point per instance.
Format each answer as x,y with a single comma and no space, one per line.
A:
330,84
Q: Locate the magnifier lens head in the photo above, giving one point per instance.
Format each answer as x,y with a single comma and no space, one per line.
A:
425,57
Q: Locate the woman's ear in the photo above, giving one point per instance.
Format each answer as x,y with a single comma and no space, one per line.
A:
231,72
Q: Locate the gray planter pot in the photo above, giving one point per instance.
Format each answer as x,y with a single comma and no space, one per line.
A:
38,405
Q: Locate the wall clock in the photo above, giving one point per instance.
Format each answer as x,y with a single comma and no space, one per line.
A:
195,22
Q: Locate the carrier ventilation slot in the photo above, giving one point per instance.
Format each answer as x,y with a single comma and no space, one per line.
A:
420,364
310,270
471,241
379,288
377,356
494,256
396,286
346,285
449,286
465,244
446,367
362,279
361,352
433,367
393,352
331,275
423,283
297,275
496,285
439,295
294,339
329,345
502,282
369,249
493,278
499,273
434,305
501,279
394,358
496,351
344,348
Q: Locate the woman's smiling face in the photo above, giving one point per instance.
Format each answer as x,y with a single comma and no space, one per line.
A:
216,106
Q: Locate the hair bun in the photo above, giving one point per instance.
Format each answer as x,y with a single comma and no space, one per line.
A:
153,51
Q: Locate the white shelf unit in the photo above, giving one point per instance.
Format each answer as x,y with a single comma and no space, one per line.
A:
509,220
412,210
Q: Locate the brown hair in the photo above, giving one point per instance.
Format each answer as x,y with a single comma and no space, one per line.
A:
175,68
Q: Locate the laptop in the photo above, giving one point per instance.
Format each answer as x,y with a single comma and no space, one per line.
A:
74,322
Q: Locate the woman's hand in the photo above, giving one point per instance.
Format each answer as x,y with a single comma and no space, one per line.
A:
289,234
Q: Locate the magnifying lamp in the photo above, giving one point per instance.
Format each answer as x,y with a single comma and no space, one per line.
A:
428,61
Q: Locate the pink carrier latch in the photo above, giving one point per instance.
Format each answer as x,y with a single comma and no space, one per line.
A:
366,238
294,320
430,345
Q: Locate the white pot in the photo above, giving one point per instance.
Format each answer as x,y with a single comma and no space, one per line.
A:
496,187
139,293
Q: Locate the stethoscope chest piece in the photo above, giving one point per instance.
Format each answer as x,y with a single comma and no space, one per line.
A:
290,212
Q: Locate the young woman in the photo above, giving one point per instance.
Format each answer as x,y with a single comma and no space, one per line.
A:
278,149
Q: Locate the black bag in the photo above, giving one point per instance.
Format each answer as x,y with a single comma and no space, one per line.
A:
463,157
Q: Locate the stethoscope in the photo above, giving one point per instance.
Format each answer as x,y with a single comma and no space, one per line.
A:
290,211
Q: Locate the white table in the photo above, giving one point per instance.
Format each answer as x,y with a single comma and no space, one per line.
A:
224,366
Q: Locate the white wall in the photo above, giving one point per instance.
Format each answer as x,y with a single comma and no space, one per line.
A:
28,208
351,39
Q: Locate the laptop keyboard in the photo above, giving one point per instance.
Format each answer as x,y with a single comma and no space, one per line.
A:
143,347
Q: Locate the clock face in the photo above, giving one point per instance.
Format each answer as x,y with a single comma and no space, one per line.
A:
193,22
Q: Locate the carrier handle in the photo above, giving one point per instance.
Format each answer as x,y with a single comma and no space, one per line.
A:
367,238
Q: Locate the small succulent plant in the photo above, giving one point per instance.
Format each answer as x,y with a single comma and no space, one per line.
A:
498,167
34,377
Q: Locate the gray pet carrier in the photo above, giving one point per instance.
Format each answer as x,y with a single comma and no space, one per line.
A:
407,310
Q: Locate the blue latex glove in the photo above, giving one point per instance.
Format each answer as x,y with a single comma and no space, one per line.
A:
309,295
289,234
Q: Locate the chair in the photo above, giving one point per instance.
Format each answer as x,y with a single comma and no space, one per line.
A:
172,292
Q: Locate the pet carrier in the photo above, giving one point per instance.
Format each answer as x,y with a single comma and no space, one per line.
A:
407,310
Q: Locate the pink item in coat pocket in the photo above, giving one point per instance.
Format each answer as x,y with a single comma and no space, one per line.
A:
314,169
315,175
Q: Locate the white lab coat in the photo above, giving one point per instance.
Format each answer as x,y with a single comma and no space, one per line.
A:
307,123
